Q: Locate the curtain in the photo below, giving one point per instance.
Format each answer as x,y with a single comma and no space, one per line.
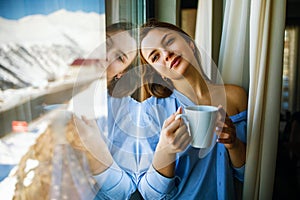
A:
204,38
251,54
267,23
233,58
208,33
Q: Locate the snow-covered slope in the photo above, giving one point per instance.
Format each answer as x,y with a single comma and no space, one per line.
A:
38,48
61,27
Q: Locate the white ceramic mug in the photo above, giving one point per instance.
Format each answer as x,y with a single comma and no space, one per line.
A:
201,122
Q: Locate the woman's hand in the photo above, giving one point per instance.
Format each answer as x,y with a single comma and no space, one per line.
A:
225,129
174,138
86,137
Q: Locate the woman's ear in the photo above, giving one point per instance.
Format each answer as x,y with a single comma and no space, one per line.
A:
119,75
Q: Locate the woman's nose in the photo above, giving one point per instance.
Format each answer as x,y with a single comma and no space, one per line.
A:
167,55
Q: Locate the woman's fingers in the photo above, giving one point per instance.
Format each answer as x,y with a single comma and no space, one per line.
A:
225,129
171,118
221,113
175,133
181,136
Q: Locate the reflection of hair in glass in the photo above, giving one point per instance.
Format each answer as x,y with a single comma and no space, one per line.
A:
153,78
127,89
122,26
155,85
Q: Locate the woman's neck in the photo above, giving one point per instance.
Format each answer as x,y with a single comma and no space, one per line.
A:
194,87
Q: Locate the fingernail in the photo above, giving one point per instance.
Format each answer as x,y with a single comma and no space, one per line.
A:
177,117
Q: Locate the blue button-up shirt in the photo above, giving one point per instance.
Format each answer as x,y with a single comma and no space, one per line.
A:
133,130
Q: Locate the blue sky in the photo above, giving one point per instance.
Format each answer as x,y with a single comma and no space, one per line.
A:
15,9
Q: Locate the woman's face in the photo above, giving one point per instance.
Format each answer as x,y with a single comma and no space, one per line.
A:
121,49
168,52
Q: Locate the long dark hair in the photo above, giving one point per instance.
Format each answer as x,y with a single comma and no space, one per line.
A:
128,89
155,85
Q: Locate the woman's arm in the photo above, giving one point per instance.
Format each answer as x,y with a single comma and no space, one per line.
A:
236,103
87,138
226,132
112,181
159,180
174,138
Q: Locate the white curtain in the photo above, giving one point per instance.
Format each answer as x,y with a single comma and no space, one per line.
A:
204,33
251,54
208,34
267,23
234,50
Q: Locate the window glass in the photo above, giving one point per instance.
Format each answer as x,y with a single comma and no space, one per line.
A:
42,45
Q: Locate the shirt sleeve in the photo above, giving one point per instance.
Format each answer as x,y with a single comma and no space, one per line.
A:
239,173
155,186
240,122
114,183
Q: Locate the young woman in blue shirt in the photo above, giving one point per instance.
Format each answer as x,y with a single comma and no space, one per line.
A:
176,78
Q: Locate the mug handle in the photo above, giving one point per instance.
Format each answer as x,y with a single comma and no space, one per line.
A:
184,117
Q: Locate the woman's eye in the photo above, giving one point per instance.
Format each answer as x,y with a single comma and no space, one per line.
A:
121,58
154,57
169,41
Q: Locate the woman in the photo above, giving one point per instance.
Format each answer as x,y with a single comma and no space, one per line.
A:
176,75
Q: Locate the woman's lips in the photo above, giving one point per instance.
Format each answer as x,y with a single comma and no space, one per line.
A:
175,62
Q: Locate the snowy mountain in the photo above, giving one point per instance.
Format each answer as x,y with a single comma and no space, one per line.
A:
34,64
39,48
86,29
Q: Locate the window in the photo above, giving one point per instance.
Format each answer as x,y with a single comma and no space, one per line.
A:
289,76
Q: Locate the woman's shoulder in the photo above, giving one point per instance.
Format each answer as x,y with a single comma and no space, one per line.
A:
237,97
